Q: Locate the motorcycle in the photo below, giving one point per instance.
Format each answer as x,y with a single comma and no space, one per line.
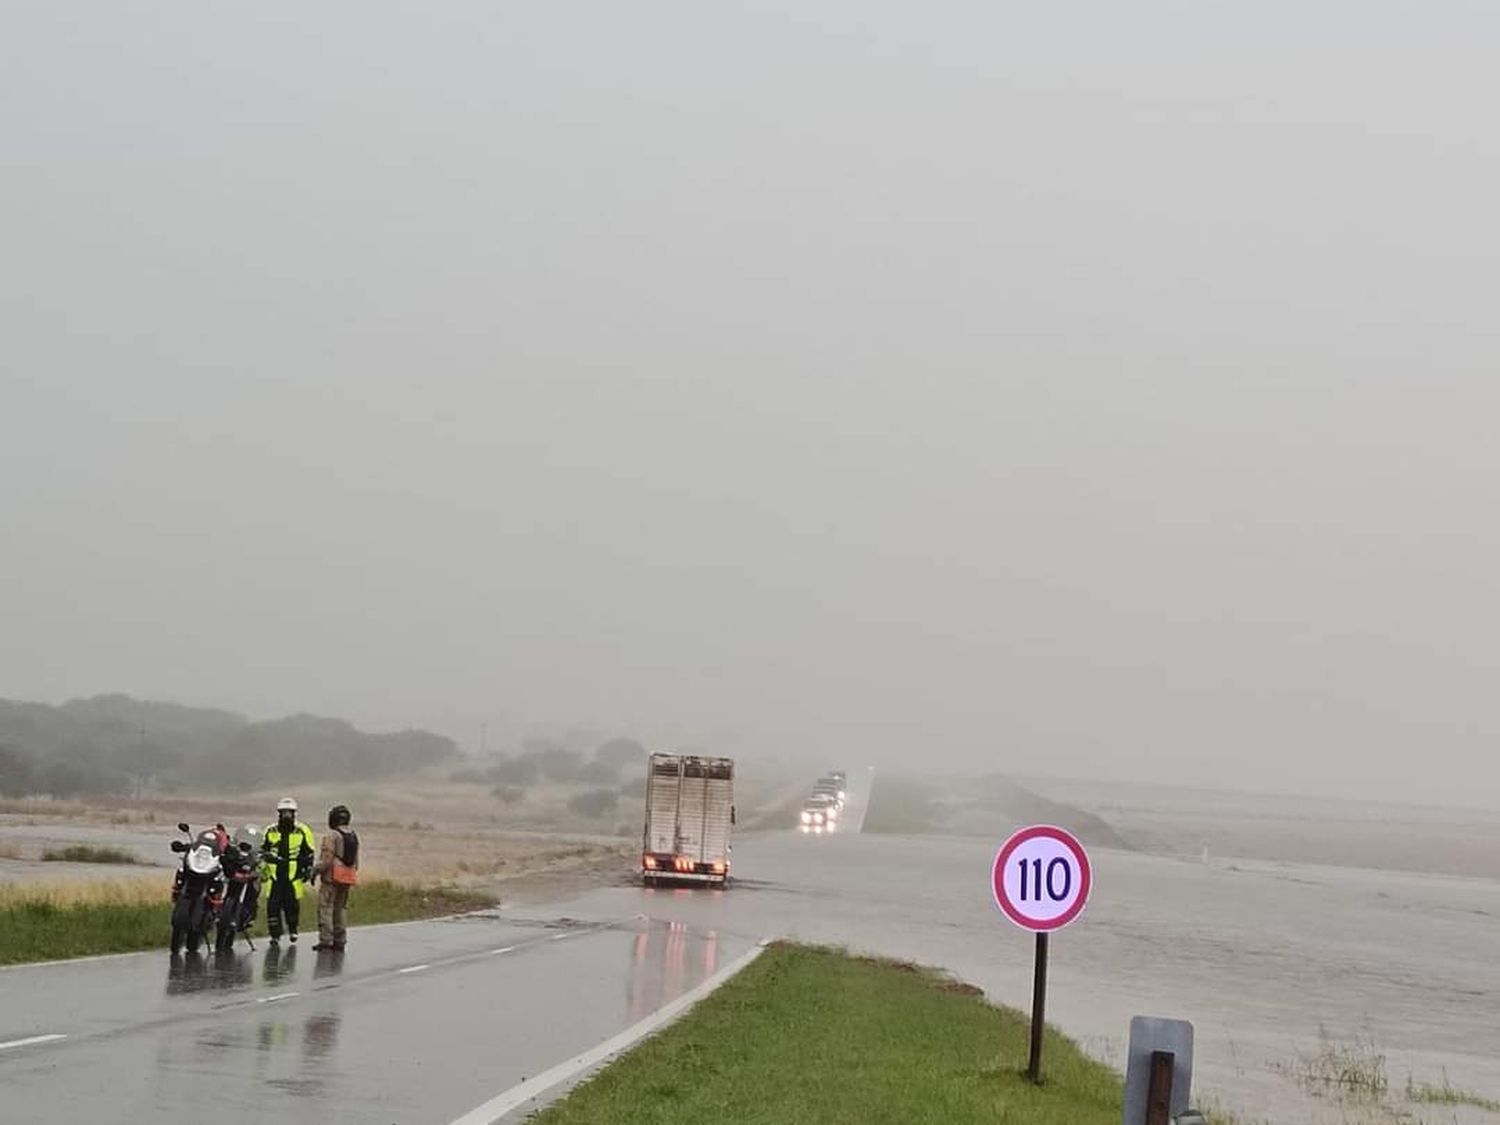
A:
197,888
241,864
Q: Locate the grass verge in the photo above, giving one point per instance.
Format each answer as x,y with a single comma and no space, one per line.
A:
1426,1093
814,1035
88,853
41,924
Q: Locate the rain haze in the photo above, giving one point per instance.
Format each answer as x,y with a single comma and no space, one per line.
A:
1103,391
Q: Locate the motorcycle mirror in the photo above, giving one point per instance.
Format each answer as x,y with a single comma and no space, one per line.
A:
178,846
183,827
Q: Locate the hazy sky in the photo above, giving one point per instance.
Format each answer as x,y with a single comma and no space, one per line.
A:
1092,389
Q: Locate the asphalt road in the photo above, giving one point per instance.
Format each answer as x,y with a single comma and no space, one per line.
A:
418,1024
414,1024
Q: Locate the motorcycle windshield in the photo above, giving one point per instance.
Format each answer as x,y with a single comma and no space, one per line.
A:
202,860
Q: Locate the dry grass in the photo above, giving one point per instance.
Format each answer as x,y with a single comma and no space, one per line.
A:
140,891
42,806
1352,1072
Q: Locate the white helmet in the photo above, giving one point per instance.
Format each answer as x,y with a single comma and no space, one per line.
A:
287,804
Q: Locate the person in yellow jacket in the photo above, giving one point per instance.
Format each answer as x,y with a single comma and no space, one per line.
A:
287,852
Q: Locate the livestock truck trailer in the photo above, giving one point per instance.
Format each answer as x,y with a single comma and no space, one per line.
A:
689,814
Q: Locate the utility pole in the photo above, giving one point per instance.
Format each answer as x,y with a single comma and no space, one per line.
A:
140,762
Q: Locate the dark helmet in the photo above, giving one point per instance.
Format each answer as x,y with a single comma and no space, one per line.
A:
338,816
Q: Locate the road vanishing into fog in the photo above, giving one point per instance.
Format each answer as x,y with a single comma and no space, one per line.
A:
418,1024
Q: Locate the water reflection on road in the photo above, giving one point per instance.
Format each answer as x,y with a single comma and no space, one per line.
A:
666,961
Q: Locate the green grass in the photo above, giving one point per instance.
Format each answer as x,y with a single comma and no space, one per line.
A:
42,925
1427,1093
809,1035
88,853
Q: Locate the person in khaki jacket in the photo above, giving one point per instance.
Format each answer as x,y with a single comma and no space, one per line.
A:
336,870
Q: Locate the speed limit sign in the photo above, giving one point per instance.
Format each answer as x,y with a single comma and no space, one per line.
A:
1041,882
1041,878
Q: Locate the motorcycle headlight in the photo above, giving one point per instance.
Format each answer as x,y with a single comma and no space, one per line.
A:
202,861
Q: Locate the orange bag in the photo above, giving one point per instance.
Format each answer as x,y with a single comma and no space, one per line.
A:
343,874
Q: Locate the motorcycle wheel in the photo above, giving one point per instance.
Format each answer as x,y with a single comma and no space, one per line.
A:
180,915
195,932
227,915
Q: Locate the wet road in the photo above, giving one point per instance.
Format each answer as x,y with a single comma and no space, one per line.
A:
415,1024
418,1024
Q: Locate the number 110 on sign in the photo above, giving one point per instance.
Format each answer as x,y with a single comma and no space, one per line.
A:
1041,878
1058,884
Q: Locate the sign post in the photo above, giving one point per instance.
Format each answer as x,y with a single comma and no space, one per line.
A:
1041,881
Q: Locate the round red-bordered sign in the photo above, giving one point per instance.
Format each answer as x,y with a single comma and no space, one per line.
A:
1041,878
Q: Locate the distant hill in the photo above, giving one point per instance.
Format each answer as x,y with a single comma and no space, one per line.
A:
990,806
114,744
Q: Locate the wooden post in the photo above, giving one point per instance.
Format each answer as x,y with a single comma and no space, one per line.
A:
1159,1093
1038,1009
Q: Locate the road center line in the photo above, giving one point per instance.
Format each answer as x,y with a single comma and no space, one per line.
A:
278,996
33,1040
413,969
502,949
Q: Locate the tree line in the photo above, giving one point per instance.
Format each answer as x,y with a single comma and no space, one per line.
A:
117,745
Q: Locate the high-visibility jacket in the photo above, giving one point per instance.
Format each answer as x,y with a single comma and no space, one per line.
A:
287,857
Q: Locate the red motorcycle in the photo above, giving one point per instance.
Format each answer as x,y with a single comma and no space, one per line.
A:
241,864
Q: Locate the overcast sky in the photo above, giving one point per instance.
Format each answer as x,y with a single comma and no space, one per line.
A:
1094,389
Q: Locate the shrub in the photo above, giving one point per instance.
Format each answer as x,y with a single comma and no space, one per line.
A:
594,802
620,753
599,773
88,853
509,794
516,771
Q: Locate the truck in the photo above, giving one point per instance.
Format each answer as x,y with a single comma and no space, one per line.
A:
689,814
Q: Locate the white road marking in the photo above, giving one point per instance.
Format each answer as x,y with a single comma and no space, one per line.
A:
32,1041
559,937
502,949
278,996
532,1088
413,969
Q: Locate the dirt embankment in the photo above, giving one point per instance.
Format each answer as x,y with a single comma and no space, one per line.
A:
984,806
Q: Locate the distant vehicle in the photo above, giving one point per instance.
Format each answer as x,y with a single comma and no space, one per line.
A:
689,814
828,787
819,814
843,782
